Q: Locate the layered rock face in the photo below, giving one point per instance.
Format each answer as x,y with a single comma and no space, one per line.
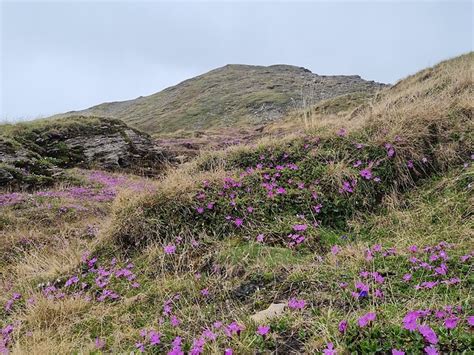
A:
34,153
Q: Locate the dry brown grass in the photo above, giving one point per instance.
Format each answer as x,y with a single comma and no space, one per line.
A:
178,187
424,222
50,324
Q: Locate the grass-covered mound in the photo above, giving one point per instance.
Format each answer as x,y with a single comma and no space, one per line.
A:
420,126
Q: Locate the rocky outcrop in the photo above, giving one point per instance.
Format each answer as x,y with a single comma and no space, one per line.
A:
34,153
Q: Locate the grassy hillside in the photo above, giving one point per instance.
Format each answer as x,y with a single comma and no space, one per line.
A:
231,96
357,234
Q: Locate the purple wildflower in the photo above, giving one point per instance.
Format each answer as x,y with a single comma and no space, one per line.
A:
342,326
300,227
366,174
280,191
451,323
335,249
233,328
342,132
428,334
170,249
431,350
154,337
209,334
140,347
175,321
71,281
410,320
263,330
99,343
329,349
294,303
366,319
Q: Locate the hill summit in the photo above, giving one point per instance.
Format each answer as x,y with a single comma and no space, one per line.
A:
233,95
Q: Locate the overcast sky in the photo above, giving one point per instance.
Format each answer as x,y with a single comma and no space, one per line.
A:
70,55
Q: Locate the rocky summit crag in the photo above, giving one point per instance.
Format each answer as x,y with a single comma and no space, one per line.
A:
231,96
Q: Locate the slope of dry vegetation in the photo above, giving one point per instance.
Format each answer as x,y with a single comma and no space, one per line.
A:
360,229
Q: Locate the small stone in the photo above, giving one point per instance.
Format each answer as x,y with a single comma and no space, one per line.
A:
273,311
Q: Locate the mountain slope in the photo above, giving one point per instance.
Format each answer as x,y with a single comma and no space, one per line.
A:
231,95
355,237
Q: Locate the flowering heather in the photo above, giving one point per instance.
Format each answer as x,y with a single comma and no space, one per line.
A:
102,187
8,199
